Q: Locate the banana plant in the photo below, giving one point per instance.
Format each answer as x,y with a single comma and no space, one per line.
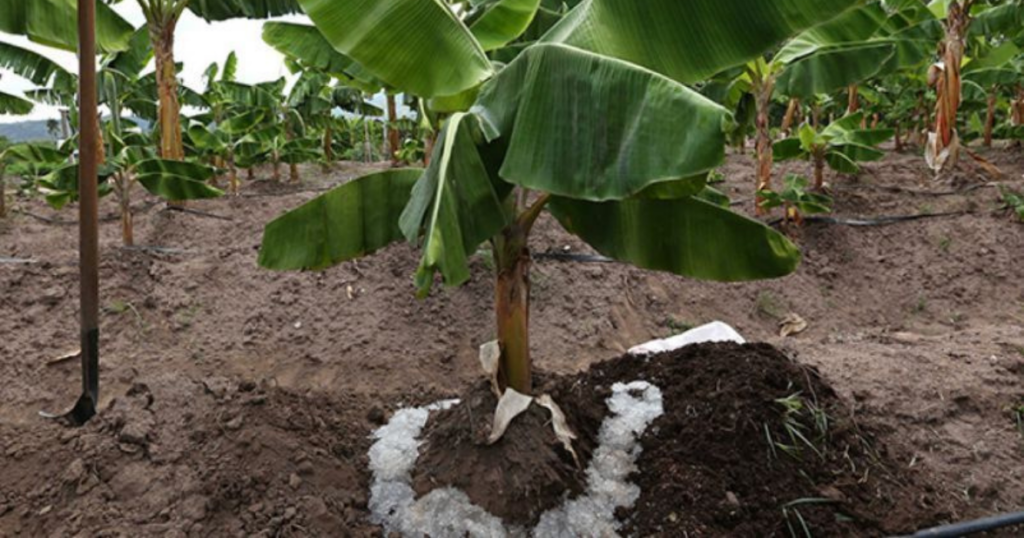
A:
228,141
838,54
797,199
314,57
840,145
14,105
162,18
960,19
996,67
133,162
582,123
4,145
233,112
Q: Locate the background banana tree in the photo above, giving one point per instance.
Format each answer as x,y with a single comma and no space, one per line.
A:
966,24
821,60
797,199
4,145
840,145
306,48
582,123
162,17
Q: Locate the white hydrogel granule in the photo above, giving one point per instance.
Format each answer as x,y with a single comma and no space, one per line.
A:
448,512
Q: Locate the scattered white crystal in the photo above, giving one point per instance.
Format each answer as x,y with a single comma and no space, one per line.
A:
448,512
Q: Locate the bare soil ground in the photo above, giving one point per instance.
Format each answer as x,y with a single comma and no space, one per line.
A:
239,401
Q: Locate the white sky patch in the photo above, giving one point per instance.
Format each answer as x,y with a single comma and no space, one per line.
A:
197,44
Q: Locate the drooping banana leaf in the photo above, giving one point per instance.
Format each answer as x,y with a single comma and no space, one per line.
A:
841,162
859,153
30,65
455,206
689,41
687,236
136,57
306,44
177,180
12,104
415,46
348,222
1006,20
220,10
591,127
986,78
60,186
855,25
55,23
994,58
831,68
504,22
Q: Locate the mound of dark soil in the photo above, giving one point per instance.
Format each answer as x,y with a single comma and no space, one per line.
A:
751,444
518,478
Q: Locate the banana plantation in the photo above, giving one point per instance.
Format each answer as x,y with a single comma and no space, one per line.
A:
487,268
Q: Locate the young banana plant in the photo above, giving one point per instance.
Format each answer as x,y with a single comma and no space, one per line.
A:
825,58
840,146
583,123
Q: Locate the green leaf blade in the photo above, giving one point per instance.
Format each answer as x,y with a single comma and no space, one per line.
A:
688,237
346,223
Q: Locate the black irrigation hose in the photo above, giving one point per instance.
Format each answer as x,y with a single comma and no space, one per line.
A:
157,250
877,221
965,528
16,260
917,192
569,257
197,213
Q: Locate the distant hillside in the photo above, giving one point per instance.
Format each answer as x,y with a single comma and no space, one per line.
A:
25,131
35,130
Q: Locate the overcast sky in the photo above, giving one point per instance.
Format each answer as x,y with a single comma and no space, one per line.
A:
198,44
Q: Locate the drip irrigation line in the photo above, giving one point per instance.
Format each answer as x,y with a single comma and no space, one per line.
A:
47,220
965,528
4,259
197,213
569,257
144,208
918,192
158,250
287,193
877,221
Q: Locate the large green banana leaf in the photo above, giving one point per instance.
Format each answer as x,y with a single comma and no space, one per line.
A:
855,26
1001,20
12,104
219,10
415,46
858,24
592,127
60,186
177,180
455,205
687,236
503,22
55,23
994,77
30,65
348,222
690,40
831,68
995,58
136,57
306,44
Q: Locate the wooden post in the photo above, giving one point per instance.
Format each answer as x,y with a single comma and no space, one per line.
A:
88,221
